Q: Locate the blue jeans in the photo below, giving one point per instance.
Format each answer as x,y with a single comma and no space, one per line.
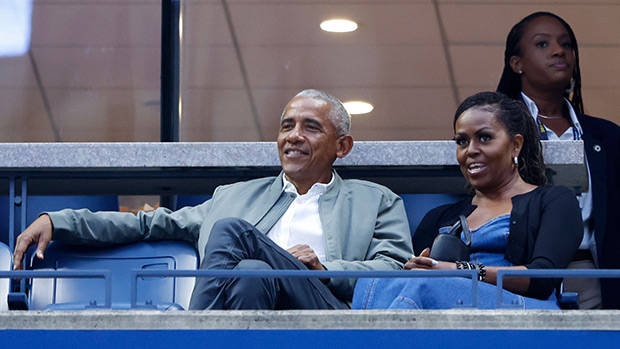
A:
435,293
488,244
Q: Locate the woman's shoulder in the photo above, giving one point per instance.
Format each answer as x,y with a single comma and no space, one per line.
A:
599,125
549,193
549,190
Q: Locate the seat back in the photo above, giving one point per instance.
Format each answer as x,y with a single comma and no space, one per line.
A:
5,264
4,219
38,204
75,294
418,205
190,200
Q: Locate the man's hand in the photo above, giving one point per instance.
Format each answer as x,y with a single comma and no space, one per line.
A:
423,261
39,232
306,255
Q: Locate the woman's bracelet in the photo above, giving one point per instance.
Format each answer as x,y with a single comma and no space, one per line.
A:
464,265
482,272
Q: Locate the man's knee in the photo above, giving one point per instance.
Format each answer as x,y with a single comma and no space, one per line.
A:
252,264
231,224
227,229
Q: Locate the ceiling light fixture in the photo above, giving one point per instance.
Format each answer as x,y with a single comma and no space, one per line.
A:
338,26
358,107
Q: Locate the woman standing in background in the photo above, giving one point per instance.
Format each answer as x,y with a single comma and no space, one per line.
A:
541,68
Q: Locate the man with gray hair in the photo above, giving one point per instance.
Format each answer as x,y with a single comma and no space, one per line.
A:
337,114
305,218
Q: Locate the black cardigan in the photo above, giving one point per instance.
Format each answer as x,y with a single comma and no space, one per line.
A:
545,231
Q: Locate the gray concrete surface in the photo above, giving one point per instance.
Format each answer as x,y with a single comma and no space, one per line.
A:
241,154
603,320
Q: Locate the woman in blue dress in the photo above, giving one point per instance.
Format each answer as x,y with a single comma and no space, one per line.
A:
516,221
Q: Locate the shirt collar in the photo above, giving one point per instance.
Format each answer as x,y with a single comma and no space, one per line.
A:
531,105
316,189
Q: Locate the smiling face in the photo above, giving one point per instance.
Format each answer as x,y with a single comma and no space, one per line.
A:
485,151
547,60
308,143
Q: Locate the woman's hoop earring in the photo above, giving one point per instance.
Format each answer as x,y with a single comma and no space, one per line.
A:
571,86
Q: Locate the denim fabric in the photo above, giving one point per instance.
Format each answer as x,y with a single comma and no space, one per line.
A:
488,242
488,245
435,293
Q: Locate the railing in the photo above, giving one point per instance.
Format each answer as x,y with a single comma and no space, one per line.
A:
470,274
67,274
549,273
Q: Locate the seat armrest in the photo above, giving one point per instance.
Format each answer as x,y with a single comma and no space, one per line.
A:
17,301
568,300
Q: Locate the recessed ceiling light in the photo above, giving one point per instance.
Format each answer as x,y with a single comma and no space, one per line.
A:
358,107
339,26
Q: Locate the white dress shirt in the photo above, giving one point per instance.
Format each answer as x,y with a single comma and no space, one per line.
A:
301,223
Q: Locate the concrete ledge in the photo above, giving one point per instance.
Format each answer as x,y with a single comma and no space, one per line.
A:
49,156
457,319
197,168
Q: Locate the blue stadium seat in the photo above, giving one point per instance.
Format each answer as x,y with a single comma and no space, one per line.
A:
4,219
5,264
76,294
190,200
34,205
38,204
418,205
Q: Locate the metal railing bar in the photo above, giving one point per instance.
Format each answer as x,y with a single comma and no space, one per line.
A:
545,273
135,273
228,273
66,274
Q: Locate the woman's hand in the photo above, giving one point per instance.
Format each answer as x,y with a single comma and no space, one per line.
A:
423,261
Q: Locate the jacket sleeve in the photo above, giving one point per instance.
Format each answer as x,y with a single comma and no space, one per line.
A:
389,249
83,227
559,235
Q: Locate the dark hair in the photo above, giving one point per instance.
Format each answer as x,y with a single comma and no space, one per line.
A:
510,82
516,119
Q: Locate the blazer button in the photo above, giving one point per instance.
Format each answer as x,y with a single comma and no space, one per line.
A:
514,222
597,148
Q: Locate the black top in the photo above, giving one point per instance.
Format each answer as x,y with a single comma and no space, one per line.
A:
545,231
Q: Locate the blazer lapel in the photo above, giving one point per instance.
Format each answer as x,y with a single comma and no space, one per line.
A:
596,155
275,204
